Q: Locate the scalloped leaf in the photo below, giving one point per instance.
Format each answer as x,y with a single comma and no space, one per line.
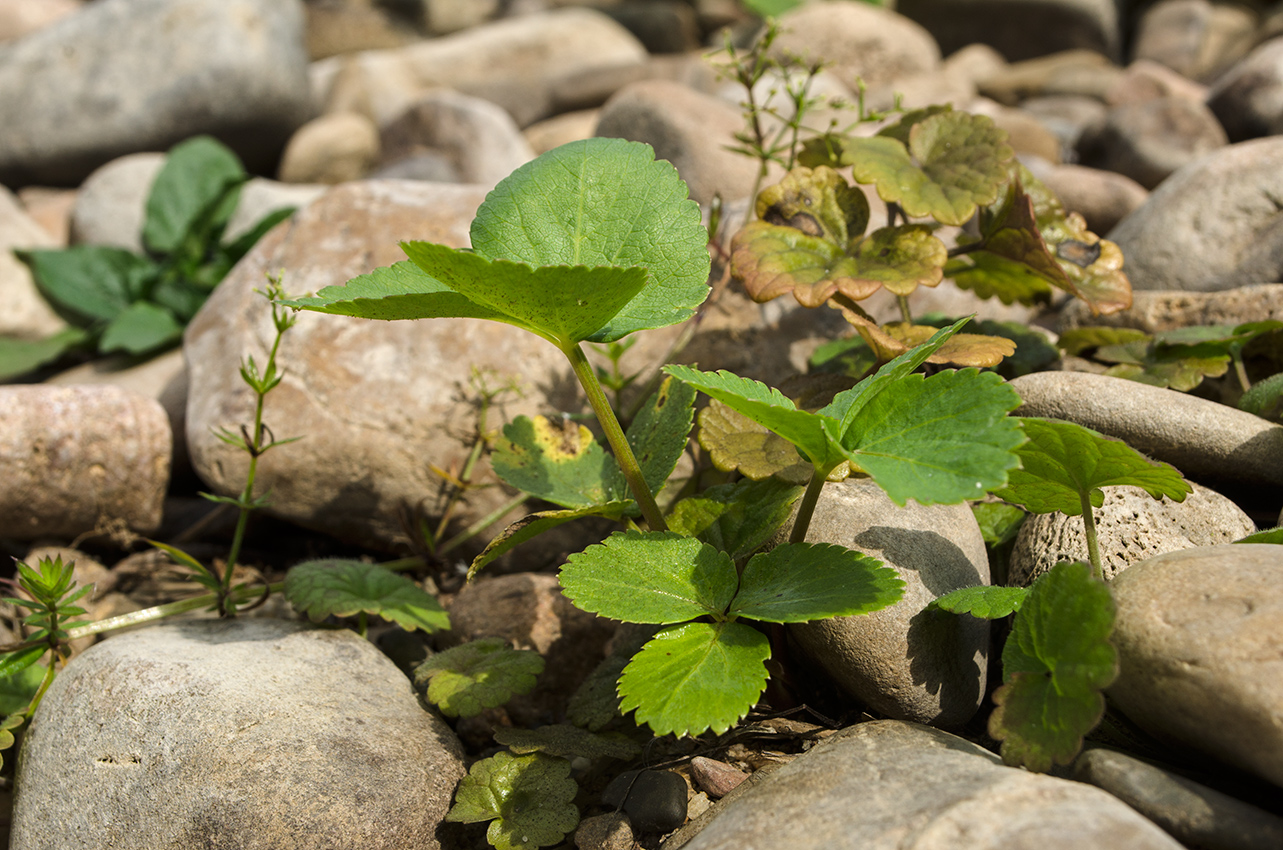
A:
532,525
650,577
818,202
340,588
736,443
772,260
1056,665
603,202
7,727
529,798
738,518
566,741
953,163
596,702
1075,341
1093,265
1062,462
985,602
943,439
399,291
466,679
695,677
895,338
989,276
799,582
559,463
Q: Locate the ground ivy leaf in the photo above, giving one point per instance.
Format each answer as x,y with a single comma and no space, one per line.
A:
532,525
565,303
771,260
736,518
603,202
480,674
650,577
798,582
892,339
985,603
659,432
559,463
1063,460
901,259
765,405
989,275
1180,373
139,328
1092,265
566,741
900,129
735,442
529,798
1077,340
818,202
942,439
400,291
695,677
1056,663
341,588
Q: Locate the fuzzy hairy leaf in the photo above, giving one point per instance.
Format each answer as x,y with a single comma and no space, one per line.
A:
1269,535
695,677
480,674
1062,461
559,463
1263,396
603,202
532,525
736,518
799,582
985,603
650,577
341,588
566,741
735,442
1056,664
529,798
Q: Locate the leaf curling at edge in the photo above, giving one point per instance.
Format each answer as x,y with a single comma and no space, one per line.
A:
527,798
342,587
485,673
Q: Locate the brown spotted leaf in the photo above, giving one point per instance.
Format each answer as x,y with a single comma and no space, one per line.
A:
772,260
818,202
891,340
557,462
1093,265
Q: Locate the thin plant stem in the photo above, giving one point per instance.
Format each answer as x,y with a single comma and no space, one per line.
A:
615,436
480,525
1239,370
1093,544
806,509
903,301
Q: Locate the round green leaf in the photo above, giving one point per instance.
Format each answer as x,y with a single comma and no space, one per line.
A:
650,577
603,202
797,582
480,674
529,798
341,588
985,603
695,677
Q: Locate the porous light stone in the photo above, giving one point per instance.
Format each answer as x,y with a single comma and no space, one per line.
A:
1161,310
73,459
1204,440
1131,526
1200,661
888,785
123,76
905,661
247,733
376,403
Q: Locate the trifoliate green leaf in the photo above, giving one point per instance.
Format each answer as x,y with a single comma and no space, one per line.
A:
695,677
559,463
480,674
532,525
400,291
735,442
1063,461
1056,664
736,518
985,603
650,577
798,582
659,432
943,439
999,523
341,588
567,742
563,303
603,202
529,798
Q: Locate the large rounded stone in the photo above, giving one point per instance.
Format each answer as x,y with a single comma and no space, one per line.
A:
376,403
1150,139
1019,29
244,733
26,315
904,661
138,75
1212,225
1158,310
888,785
75,459
1198,638
1248,98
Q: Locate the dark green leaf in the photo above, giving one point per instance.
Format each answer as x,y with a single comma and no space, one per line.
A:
141,328
985,603
999,523
798,582
528,798
477,675
20,356
566,741
19,686
90,281
736,518
659,432
603,202
197,176
650,577
341,588
1062,461
695,677
1263,396
1056,664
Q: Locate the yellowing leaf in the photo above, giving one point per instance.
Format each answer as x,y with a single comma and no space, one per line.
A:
737,443
817,202
891,340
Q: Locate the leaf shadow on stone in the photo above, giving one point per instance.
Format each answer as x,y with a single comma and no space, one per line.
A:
908,548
